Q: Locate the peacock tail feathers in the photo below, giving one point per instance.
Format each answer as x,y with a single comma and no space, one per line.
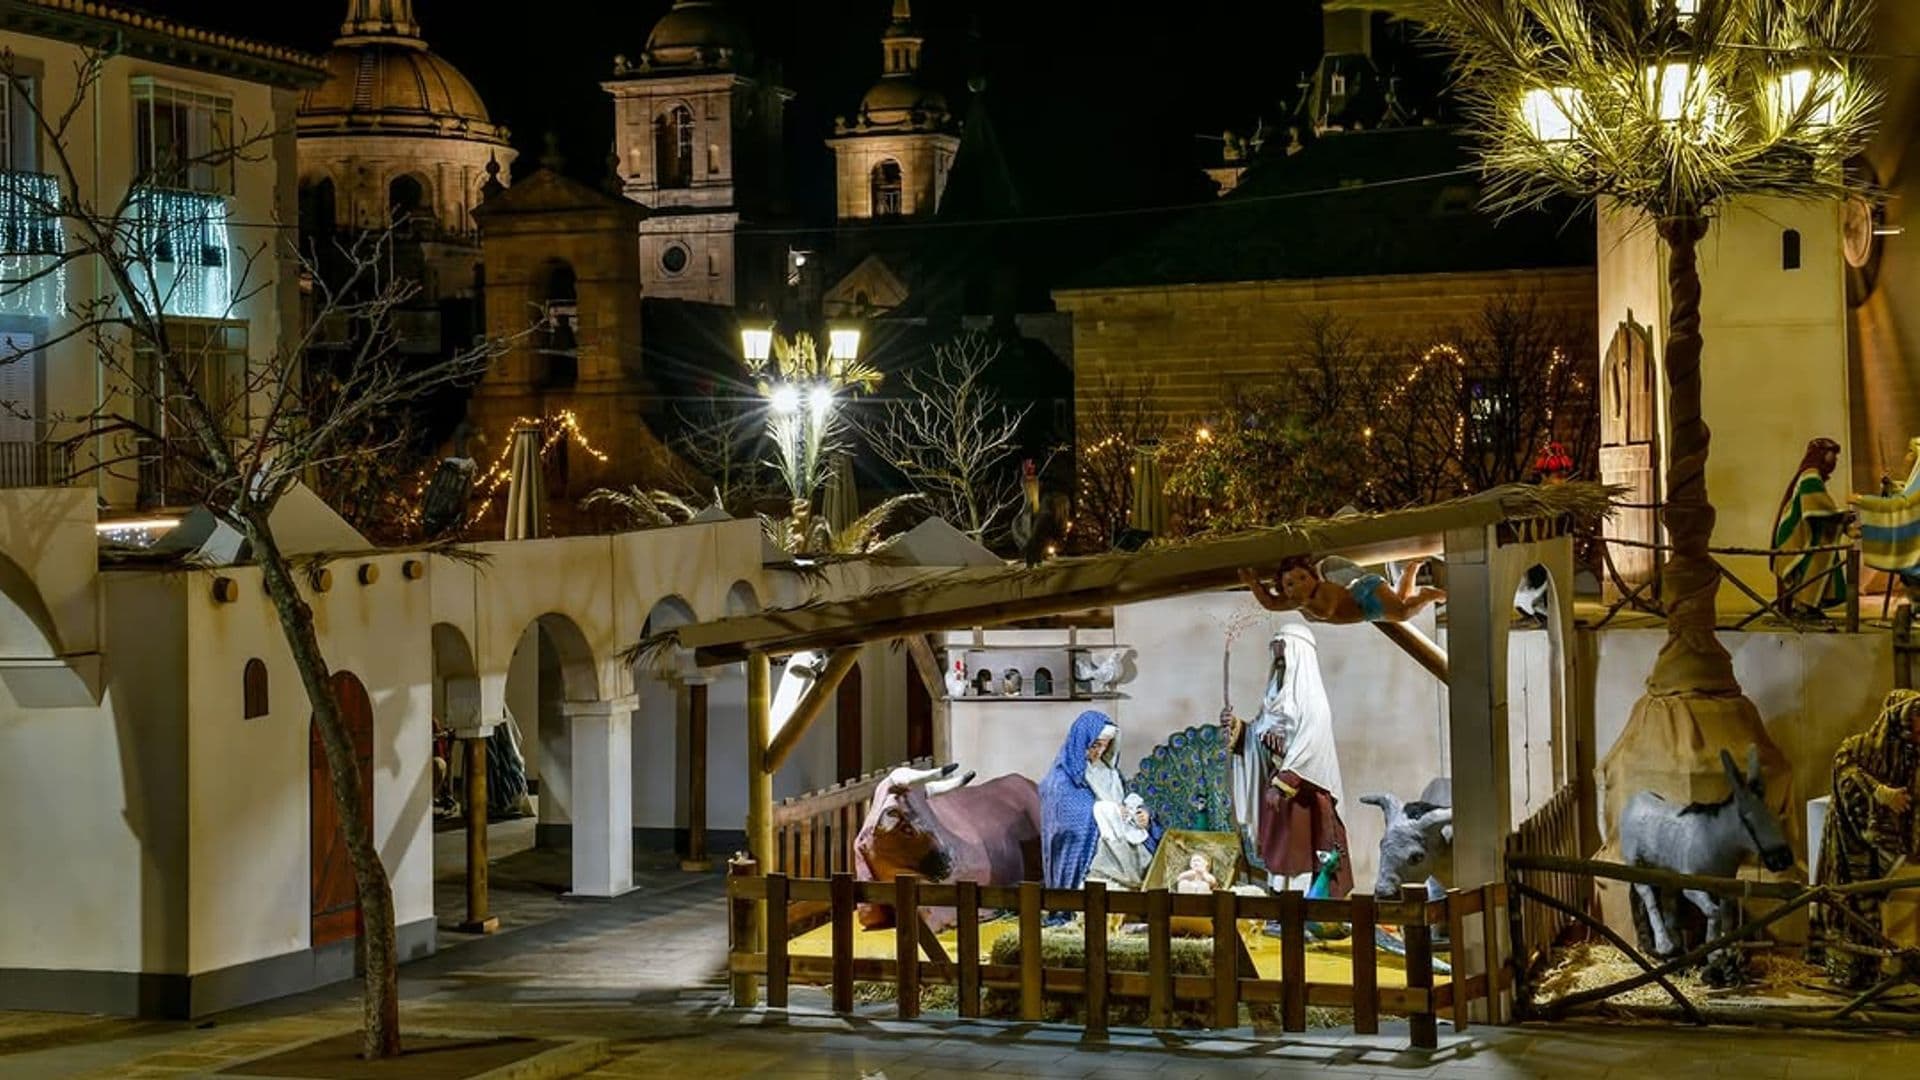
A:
1184,781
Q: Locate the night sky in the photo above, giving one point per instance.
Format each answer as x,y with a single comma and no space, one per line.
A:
1129,87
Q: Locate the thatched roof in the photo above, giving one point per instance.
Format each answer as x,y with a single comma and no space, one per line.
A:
987,596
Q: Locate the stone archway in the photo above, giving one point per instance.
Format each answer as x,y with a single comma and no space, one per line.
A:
552,665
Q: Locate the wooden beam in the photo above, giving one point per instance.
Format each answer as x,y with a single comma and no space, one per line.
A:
809,709
1417,645
697,859
993,596
927,663
759,779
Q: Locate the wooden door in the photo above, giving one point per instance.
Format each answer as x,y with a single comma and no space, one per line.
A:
333,900
1630,453
919,716
849,725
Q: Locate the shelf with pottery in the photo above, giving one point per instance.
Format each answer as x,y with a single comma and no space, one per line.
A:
1026,672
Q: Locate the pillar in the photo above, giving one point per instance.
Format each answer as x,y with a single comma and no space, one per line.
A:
1477,621
696,860
602,768
759,780
474,742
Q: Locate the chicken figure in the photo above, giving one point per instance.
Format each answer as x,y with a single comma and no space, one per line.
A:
957,680
1041,523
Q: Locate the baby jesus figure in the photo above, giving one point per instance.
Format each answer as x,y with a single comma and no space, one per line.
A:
1336,590
1197,877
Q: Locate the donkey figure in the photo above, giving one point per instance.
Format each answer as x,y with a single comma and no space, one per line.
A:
1707,839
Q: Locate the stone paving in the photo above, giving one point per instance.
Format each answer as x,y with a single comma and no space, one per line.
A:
645,973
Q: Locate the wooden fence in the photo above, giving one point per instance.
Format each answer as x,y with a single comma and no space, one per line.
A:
1643,596
1554,829
1422,1000
813,834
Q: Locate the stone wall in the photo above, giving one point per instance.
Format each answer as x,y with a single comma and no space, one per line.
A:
1198,341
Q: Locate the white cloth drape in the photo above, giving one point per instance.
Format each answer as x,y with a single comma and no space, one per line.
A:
1120,859
1295,705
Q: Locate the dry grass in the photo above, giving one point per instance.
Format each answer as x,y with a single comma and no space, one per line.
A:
1772,974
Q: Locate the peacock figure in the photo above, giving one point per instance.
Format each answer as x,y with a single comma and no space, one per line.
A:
1183,781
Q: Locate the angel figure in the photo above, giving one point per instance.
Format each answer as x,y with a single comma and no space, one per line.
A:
1338,590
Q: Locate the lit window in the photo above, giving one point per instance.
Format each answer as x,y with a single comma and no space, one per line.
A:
673,148
1337,86
19,130
32,276
183,138
179,253
886,184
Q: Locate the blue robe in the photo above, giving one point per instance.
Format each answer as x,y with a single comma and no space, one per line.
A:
1068,835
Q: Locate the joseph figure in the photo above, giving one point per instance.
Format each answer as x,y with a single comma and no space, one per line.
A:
1811,580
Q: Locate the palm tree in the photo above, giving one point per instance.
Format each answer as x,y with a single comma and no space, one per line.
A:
1668,108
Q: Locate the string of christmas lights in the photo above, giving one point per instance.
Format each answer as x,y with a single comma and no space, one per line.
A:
561,425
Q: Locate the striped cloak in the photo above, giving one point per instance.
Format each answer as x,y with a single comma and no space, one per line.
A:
1808,519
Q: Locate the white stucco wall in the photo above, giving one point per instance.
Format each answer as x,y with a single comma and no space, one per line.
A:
96,798
1775,362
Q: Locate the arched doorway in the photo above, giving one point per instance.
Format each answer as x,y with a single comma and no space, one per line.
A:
849,724
1630,453
660,738
334,904
552,664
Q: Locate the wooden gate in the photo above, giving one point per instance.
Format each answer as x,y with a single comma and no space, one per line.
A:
1630,454
333,899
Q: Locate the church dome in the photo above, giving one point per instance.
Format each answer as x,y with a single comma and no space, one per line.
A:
897,101
696,33
382,78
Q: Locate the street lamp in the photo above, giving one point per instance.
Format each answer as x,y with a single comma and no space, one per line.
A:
803,386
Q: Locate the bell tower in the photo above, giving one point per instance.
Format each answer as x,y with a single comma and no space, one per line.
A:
697,131
893,155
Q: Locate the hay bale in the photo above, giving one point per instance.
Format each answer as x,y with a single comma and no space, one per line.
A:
1066,947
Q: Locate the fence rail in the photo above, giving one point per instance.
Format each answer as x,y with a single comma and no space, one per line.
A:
813,834
34,464
1644,596
1553,830
1790,897
1229,985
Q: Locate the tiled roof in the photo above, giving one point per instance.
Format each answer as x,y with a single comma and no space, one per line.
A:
91,22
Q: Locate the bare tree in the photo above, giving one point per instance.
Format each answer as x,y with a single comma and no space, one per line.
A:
1117,419
953,438
235,431
726,442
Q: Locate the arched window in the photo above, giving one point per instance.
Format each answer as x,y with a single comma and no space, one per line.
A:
673,148
254,689
559,344
886,188
407,201
317,207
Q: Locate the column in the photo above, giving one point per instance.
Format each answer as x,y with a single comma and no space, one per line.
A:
602,768
474,743
696,860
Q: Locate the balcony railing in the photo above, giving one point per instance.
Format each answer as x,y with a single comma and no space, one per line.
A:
31,241
35,464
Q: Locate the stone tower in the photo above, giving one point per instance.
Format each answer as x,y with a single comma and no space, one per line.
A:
892,156
697,128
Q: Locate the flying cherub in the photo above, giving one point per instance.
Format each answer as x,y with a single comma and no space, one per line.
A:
1338,590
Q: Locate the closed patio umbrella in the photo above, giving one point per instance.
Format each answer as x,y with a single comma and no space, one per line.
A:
526,494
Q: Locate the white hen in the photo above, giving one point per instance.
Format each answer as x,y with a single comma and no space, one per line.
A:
1098,672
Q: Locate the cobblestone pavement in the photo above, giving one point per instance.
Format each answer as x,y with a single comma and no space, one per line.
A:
644,973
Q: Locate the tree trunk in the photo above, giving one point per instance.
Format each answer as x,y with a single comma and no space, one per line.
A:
1692,660
381,996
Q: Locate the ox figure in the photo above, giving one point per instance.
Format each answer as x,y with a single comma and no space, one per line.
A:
1418,844
1707,839
942,828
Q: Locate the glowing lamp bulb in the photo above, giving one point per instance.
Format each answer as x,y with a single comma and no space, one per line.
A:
786,398
820,398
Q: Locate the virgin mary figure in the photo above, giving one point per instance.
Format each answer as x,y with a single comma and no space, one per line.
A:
1090,828
1286,772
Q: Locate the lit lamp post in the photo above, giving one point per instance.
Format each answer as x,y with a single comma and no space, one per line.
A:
803,389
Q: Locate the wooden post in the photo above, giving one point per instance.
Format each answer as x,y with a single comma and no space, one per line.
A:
742,935
1366,993
1478,727
1853,589
1422,1026
842,893
1457,956
1096,959
1030,916
697,860
759,780
920,648
1293,961
1490,934
1159,959
967,943
478,921
906,943
776,941
1226,952
1417,645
